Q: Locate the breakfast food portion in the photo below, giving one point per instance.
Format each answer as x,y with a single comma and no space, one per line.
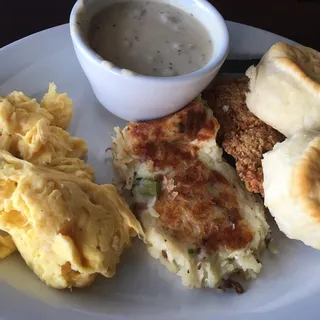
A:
73,166
199,220
28,131
150,38
159,53
66,228
291,184
59,105
203,218
285,88
7,246
242,135
34,132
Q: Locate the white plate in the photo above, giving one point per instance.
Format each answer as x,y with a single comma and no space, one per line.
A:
142,288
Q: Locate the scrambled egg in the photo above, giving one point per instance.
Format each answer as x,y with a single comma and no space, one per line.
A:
7,246
35,132
73,166
42,143
59,105
66,228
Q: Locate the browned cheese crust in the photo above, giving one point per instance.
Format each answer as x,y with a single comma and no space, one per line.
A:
203,210
242,135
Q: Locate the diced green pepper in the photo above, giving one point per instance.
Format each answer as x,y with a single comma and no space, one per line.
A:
149,187
191,251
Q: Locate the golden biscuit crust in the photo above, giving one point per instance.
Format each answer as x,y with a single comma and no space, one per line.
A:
301,62
306,180
285,88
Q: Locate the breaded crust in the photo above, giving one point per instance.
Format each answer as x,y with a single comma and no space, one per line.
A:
203,210
171,135
199,220
242,134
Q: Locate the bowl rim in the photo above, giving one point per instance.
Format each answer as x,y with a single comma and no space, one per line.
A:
79,41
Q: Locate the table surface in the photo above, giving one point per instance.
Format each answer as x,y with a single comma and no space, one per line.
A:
294,19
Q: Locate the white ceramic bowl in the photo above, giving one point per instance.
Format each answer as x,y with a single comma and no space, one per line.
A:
137,97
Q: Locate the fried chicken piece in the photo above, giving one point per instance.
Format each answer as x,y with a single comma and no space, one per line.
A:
242,135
